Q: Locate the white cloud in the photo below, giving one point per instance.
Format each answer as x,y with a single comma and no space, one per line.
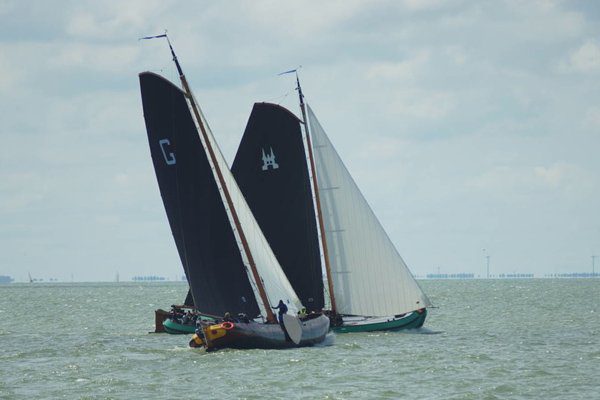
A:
584,59
19,190
122,179
423,4
383,148
500,179
509,180
441,111
9,77
422,104
110,20
299,18
99,57
403,70
553,175
567,176
592,119
110,220
457,54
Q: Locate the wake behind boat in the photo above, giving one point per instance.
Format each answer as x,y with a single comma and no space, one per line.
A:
228,261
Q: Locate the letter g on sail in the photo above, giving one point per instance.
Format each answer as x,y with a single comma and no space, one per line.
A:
169,159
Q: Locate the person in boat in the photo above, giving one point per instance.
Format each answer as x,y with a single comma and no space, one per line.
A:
186,318
243,318
178,313
302,313
282,310
227,317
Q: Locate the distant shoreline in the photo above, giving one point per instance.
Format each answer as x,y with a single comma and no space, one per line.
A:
449,277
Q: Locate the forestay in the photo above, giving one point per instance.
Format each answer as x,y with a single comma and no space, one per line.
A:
369,276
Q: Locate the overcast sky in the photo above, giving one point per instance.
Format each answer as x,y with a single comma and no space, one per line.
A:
468,125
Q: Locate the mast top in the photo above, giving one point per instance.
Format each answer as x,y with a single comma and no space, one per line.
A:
174,56
166,36
298,87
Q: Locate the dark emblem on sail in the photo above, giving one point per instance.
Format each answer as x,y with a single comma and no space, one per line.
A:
170,159
269,160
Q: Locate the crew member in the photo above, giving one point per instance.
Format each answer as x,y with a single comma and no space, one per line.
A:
282,310
302,313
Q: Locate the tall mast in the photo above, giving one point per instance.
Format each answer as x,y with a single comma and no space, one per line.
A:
318,201
238,226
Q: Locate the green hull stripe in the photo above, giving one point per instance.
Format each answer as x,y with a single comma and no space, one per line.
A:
175,328
413,321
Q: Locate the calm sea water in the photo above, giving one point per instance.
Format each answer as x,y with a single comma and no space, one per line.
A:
489,339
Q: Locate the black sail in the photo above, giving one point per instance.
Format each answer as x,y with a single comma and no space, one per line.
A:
271,170
196,214
189,299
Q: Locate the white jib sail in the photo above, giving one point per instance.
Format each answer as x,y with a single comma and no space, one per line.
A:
275,282
369,276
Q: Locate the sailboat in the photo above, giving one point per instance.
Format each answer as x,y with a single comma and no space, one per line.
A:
181,318
370,286
270,170
228,262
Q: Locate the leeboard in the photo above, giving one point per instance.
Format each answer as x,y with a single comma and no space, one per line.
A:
293,326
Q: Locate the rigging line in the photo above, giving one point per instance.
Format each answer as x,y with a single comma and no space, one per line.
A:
280,98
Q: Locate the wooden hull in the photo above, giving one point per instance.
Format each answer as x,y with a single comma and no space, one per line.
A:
159,317
253,335
412,320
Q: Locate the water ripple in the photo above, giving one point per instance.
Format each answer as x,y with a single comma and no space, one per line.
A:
527,339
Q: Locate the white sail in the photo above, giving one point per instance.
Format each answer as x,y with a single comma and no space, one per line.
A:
275,282
369,276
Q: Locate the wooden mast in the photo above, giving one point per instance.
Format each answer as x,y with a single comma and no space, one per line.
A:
255,274
317,198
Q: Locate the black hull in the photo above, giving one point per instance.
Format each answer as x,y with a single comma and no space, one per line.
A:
255,335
